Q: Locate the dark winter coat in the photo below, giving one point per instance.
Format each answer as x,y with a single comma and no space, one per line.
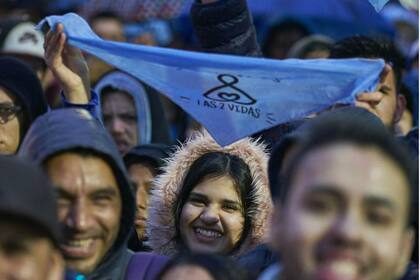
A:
225,27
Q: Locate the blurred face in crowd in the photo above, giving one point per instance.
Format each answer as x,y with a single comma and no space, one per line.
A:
187,272
109,29
11,120
142,175
27,253
283,39
345,216
120,119
317,53
212,219
89,207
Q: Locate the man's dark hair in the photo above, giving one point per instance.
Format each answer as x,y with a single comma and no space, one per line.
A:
214,165
152,156
339,127
150,163
108,90
370,47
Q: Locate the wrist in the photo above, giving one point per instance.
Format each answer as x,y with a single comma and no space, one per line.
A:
77,95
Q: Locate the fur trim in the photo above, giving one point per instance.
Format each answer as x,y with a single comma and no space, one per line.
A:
161,223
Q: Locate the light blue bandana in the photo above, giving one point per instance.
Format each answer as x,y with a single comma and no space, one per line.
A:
232,96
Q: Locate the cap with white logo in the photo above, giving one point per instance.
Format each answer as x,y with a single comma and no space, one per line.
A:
24,39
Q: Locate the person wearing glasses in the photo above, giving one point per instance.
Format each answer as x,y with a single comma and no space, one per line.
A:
21,102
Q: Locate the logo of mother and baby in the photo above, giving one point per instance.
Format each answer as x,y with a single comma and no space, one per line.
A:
229,96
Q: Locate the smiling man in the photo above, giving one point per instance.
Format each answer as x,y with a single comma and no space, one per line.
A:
95,203
89,234
343,204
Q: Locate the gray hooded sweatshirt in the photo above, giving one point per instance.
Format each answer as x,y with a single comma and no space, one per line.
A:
69,129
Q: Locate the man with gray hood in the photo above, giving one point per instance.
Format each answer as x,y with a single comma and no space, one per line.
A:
95,201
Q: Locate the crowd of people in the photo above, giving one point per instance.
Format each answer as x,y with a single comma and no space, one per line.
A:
105,178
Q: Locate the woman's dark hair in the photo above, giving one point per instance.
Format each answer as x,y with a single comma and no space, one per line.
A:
220,268
214,165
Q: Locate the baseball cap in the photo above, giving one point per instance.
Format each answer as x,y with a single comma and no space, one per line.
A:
23,39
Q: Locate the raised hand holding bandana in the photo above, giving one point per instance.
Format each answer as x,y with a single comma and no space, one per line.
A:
232,96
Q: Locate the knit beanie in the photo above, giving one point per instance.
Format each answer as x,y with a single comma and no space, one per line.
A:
29,198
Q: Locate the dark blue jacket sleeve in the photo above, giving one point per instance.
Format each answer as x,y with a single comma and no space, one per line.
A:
225,27
91,106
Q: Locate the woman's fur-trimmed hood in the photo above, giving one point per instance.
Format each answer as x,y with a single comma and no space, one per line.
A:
161,222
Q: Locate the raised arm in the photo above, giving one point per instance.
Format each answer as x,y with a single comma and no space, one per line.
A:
68,66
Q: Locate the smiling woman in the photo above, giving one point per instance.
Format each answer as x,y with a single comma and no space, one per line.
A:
211,199
210,212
